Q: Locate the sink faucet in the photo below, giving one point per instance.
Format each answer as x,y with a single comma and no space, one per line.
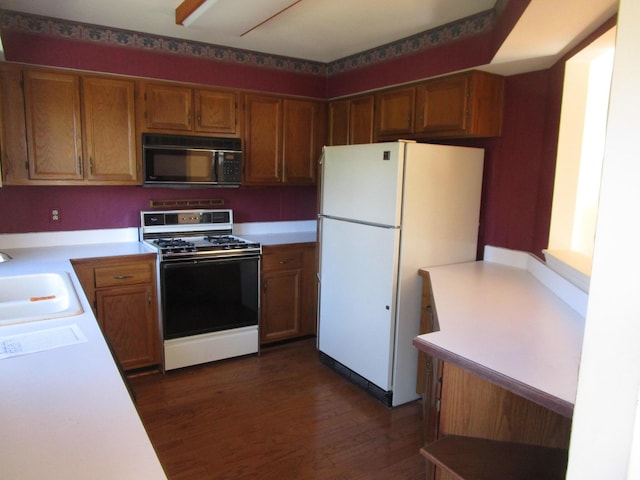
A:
4,257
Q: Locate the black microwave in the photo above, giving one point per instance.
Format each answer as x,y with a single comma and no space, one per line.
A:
182,160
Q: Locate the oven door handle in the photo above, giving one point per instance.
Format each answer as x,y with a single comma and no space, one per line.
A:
221,259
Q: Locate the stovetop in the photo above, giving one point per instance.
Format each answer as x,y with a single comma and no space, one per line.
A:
180,234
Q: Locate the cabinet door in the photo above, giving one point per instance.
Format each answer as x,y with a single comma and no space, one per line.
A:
299,145
13,137
443,106
52,108
395,112
127,320
215,111
339,122
282,289
361,120
280,305
109,130
263,140
168,107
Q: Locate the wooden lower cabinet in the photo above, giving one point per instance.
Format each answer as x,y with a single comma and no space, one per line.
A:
288,296
122,293
474,429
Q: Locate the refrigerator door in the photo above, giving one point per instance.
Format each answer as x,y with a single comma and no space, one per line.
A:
363,182
358,272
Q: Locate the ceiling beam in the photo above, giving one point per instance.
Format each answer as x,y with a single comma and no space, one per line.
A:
271,17
189,10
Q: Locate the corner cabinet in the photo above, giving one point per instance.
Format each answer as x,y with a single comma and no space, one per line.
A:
352,121
288,297
181,109
467,104
77,129
122,293
283,140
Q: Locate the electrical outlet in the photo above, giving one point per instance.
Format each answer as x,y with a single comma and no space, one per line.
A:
55,214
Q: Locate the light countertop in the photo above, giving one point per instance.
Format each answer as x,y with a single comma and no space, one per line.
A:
515,324
67,413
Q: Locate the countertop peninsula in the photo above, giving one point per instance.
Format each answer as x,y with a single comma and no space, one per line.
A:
512,321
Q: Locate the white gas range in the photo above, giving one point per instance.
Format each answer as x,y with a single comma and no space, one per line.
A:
208,285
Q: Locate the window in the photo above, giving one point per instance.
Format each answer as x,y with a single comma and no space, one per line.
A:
585,102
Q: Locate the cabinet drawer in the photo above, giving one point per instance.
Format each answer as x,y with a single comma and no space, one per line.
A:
128,274
282,260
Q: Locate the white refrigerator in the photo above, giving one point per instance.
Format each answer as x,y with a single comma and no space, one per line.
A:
386,210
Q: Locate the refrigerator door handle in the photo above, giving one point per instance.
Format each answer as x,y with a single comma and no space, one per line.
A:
350,220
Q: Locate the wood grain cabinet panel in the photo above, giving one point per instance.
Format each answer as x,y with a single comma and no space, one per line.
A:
79,129
54,136
263,139
300,150
216,111
468,104
288,302
474,429
283,140
339,122
168,107
109,130
13,136
122,293
395,112
351,121
178,109
361,120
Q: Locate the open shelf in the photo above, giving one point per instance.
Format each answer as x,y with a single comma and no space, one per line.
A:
469,458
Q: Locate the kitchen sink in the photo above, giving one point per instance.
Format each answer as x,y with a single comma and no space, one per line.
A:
27,298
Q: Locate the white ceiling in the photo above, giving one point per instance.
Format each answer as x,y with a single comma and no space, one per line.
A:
327,30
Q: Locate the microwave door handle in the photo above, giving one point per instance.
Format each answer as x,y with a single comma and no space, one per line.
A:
215,165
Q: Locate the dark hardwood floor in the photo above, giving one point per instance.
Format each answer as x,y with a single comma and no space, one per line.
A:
280,415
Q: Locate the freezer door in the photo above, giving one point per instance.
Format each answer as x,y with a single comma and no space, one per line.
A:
363,182
358,273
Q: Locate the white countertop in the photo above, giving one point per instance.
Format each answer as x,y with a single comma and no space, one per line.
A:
502,321
66,412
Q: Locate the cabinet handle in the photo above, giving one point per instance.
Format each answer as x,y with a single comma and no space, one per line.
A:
283,262
80,164
122,277
91,165
149,299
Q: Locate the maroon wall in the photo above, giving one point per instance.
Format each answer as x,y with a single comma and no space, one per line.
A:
519,165
62,52
27,209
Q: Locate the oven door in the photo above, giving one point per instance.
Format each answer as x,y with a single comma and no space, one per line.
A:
210,295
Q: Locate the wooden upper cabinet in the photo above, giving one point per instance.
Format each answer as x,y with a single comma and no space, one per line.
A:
394,112
263,139
13,137
361,120
351,121
468,104
183,109
79,129
215,111
339,122
283,140
109,130
52,109
300,150
168,107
